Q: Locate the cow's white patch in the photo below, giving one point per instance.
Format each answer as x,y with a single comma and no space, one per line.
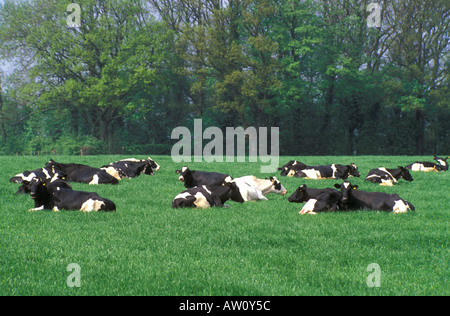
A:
184,169
201,201
228,179
131,160
206,189
309,207
56,209
29,178
37,209
95,180
400,207
346,184
387,183
92,205
182,196
113,172
47,175
389,174
312,174
420,167
333,167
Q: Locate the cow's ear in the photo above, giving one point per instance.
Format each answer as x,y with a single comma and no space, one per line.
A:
302,187
355,187
337,186
272,179
177,171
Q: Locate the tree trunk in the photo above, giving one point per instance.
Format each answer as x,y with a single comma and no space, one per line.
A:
2,124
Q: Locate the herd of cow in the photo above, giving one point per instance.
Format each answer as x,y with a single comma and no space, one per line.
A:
50,189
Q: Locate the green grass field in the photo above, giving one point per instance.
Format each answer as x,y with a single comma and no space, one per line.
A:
257,248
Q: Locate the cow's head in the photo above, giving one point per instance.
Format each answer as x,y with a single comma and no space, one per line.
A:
442,162
299,195
405,174
234,194
278,187
184,173
153,165
346,190
353,170
37,188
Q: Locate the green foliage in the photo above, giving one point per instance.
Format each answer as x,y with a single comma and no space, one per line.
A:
135,70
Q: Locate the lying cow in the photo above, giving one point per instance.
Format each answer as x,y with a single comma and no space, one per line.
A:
354,199
42,174
426,166
193,179
58,196
83,174
304,194
327,201
327,172
291,166
254,189
131,168
206,196
389,177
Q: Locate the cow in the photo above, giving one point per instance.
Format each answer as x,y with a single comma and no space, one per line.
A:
442,162
327,172
254,189
389,177
206,196
42,174
426,166
57,196
83,174
131,168
304,194
291,166
354,199
328,201
193,179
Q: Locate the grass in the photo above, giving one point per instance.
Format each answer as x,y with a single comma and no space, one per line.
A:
258,248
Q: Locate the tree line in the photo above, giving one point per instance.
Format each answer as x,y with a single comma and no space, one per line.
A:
132,71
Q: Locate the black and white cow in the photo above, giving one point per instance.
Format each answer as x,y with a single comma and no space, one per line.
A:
442,162
57,196
254,189
389,177
291,166
354,199
426,166
206,196
304,194
83,174
327,172
42,174
328,201
131,168
193,178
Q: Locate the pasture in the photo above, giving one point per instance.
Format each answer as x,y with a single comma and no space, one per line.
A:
256,248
